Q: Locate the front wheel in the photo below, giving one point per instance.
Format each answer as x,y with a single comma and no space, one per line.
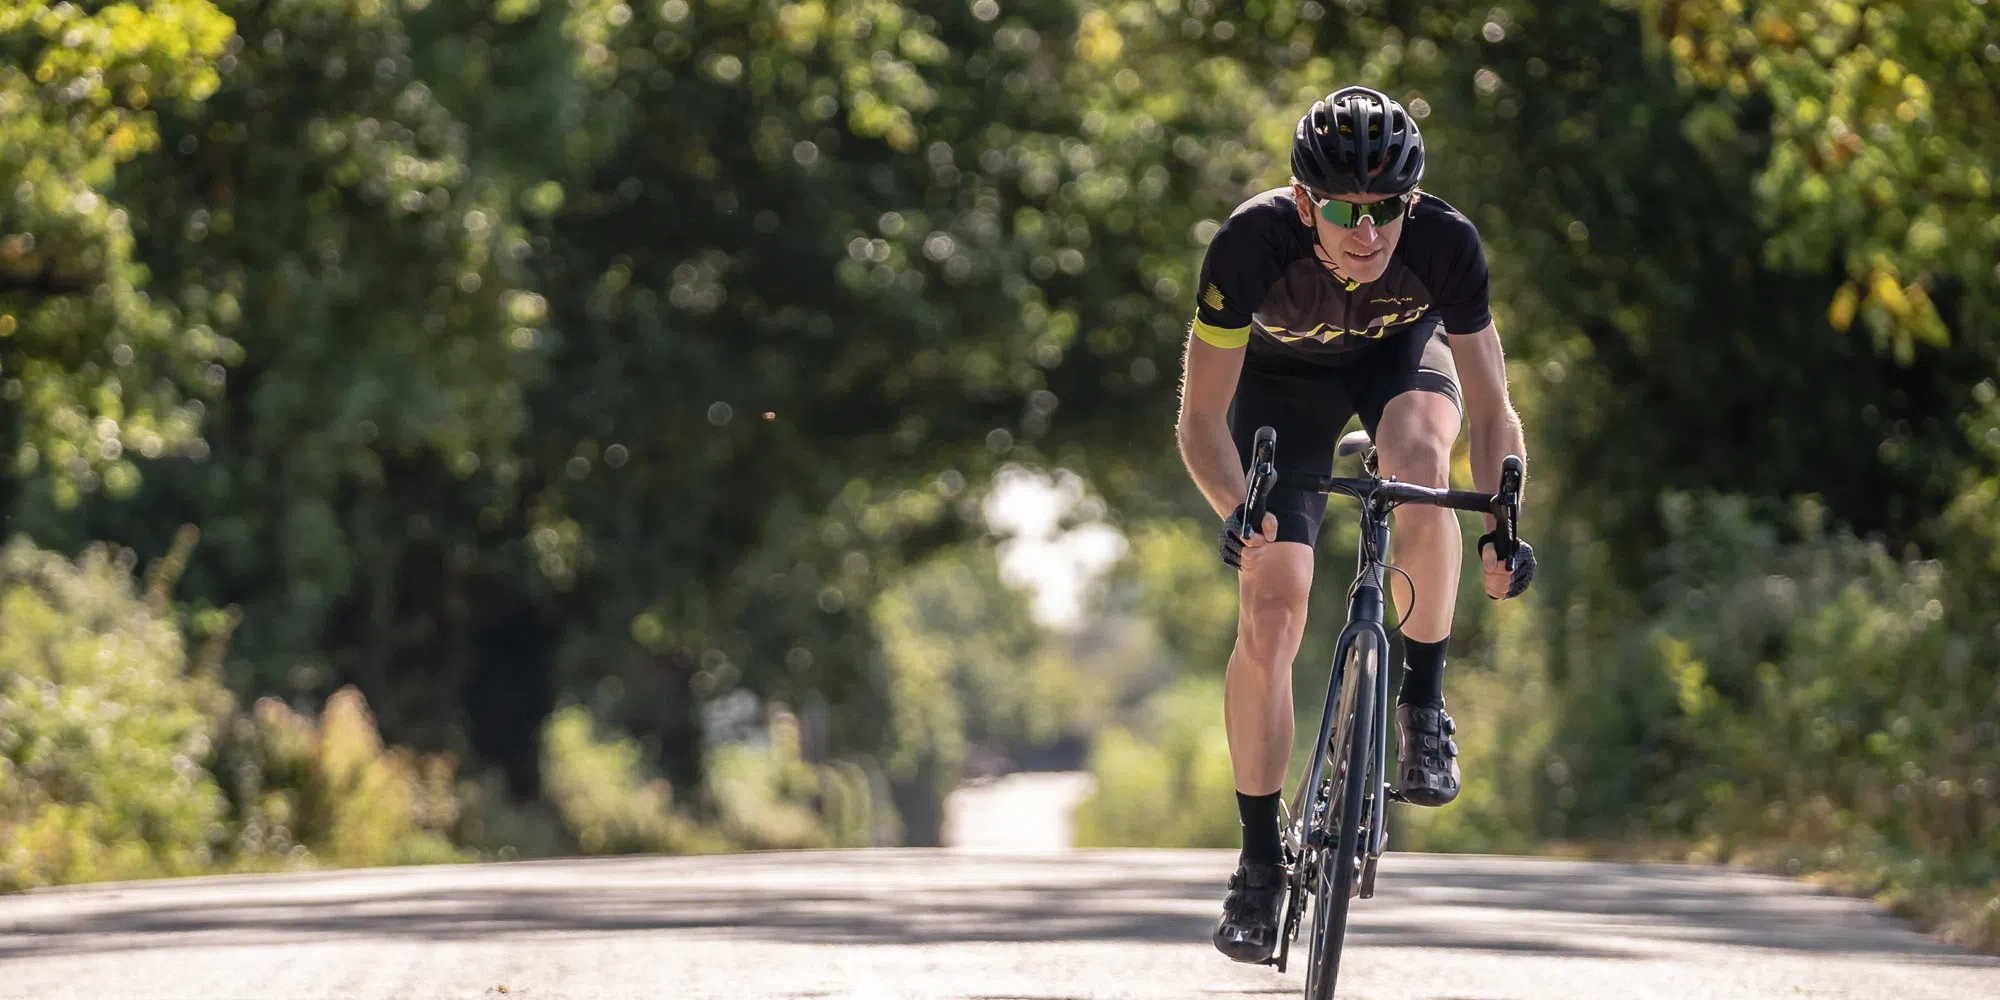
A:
1333,885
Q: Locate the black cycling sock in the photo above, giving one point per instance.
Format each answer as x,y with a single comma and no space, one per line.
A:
1423,676
1260,828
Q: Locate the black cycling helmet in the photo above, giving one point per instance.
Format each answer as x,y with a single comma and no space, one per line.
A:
1358,141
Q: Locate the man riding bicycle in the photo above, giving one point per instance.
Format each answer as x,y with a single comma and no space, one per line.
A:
1349,292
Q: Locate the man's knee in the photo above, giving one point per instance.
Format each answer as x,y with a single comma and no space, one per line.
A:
1272,617
1421,459
1415,439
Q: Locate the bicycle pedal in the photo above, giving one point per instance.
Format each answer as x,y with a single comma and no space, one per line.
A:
1396,795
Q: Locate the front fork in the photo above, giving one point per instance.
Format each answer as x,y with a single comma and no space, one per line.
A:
1378,821
1364,615
1365,610
1378,785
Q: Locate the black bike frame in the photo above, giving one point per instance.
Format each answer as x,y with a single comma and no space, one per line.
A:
1365,603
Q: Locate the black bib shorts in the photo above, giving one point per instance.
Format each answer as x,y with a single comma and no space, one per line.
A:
1309,405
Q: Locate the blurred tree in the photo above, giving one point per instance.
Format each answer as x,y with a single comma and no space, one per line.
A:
814,274
633,352
1661,347
1882,150
93,372
787,263
325,209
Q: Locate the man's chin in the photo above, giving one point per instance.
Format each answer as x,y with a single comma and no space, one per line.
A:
1364,275
1365,268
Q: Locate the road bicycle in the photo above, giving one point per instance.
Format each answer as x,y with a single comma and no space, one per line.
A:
1335,827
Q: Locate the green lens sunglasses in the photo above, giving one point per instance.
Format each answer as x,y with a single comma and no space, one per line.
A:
1347,214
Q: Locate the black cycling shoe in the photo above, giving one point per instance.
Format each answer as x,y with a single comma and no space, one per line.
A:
1248,930
1427,754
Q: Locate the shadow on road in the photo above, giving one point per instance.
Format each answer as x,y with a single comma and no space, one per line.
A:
1664,903
859,900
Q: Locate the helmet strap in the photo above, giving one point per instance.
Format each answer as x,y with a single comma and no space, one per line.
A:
1327,259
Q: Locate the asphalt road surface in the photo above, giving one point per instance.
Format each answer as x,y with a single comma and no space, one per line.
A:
881,925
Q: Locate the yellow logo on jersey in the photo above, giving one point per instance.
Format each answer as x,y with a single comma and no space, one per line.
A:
1212,298
1376,328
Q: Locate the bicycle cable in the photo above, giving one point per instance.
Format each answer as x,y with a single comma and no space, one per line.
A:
1368,543
1400,619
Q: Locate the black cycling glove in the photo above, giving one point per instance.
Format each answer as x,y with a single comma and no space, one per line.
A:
1523,562
1230,544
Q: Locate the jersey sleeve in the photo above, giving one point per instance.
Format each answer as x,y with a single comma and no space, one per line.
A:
1242,263
1461,290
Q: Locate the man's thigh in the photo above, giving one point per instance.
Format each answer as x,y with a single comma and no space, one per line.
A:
1308,407
1415,437
1407,392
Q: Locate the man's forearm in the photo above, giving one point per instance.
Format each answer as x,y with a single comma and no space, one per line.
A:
1210,454
1494,437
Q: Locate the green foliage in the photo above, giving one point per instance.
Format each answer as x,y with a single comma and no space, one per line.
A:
1811,699
327,790
116,761
1171,786
1881,147
601,791
764,794
1827,686
966,665
91,368
1501,698
498,825
760,793
485,321
103,737
326,209
1176,584
974,261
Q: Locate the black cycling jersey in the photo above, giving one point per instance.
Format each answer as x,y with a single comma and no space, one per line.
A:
1262,278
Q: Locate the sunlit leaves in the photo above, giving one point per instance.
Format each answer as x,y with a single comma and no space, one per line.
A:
95,367
1882,119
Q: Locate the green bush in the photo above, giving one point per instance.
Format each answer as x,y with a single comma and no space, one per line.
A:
765,796
964,664
760,794
496,825
117,761
1501,701
600,788
327,790
103,734
1803,698
1803,688
1167,784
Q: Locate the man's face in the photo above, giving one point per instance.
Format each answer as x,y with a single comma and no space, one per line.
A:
1359,251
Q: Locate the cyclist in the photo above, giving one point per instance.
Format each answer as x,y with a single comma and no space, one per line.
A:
1351,291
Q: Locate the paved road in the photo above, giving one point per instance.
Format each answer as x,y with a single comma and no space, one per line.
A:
1026,811
882,925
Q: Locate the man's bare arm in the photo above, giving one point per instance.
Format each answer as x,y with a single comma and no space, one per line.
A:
1495,427
1208,383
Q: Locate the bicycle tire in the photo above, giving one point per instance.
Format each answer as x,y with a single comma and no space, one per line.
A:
1337,872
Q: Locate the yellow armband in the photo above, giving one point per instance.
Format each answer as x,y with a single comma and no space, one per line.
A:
1218,337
